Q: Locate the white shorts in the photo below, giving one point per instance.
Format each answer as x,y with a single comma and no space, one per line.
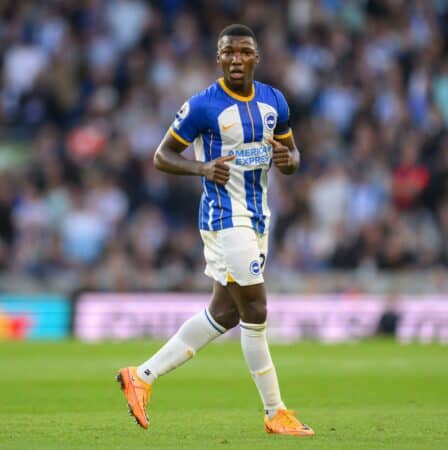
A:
235,255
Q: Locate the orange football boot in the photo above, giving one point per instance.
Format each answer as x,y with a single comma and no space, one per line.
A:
285,422
137,394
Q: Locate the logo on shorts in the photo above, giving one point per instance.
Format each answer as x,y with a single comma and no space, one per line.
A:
255,267
269,120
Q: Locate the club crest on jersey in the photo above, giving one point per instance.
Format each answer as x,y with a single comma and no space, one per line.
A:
270,120
181,114
255,267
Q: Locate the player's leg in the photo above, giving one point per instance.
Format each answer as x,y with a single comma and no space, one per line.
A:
222,307
245,256
243,248
193,335
251,304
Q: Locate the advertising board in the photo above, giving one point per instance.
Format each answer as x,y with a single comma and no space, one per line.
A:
43,316
335,318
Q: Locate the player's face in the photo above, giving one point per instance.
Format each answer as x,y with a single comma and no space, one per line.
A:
237,56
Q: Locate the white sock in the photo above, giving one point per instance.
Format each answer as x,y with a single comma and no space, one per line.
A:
258,358
194,334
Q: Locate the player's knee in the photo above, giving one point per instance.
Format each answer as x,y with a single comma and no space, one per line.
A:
228,319
254,312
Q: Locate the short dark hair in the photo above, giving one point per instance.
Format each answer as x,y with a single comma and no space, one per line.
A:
236,29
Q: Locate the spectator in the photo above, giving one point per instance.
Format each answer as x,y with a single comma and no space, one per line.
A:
410,177
84,232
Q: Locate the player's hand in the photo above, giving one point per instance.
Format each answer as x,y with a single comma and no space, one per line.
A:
217,170
283,158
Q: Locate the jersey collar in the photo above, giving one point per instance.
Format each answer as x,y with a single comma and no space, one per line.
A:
234,95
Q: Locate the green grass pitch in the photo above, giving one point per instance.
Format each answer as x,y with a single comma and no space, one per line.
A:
369,395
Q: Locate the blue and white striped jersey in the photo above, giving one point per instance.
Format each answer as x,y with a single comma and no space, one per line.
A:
220,122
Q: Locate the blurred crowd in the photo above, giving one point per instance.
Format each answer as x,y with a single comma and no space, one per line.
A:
89,87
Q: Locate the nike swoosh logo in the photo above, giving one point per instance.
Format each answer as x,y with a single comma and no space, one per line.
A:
226,127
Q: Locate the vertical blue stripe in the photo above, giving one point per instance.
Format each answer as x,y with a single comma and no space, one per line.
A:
201,211
216,143
254,198
222,211
258,121
246,122
226,208
259,201
215,195
249,178
211,202
206,144
204,210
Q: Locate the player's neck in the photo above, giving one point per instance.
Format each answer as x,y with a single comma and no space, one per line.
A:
244,90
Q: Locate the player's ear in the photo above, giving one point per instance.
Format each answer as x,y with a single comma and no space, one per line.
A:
218,61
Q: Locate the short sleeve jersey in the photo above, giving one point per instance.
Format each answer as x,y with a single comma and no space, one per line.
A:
220,122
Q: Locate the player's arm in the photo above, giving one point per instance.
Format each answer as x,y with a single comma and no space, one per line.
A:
285,155
168,158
